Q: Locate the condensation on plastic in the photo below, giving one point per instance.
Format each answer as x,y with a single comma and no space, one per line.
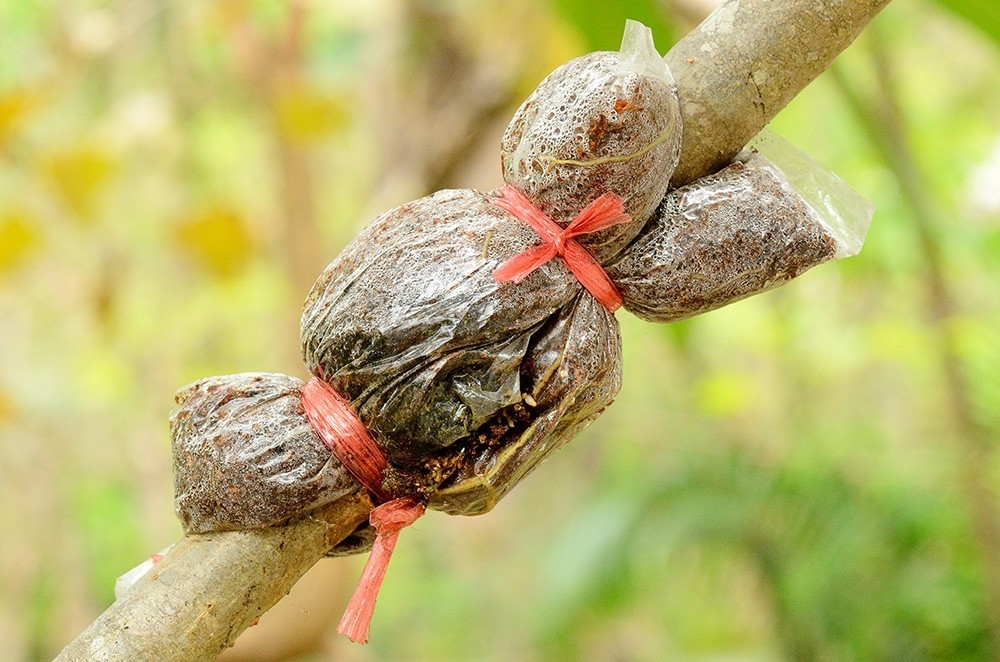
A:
604,122
845,212
245,456
448,368
722,238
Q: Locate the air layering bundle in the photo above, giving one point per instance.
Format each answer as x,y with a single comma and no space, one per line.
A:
462,338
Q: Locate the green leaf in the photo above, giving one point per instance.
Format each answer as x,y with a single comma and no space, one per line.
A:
725,393
601,23
981,13
106,514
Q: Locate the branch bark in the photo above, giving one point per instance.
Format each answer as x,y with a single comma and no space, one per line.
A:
211,587
735,72
745,62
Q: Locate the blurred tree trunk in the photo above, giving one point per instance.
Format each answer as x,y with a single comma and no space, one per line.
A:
734,72
884,120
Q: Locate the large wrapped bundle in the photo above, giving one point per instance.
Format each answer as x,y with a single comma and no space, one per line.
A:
467,336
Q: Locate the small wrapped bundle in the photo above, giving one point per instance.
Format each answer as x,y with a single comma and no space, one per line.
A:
246,457
739,232
607,121
460,380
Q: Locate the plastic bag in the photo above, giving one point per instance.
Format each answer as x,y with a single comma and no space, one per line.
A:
245,457
739,232
468,383
602,122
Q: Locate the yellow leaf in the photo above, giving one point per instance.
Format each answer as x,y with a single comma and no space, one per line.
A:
18,238
8,411
14,106
219,239
305,114
78,175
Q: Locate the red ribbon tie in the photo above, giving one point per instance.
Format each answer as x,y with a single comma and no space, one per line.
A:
605,211
333,419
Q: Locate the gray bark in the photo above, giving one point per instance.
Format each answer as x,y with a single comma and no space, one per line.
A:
745,62
210,587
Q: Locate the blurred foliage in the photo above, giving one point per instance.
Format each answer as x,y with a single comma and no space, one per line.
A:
600,23
18,238
785,478
218,238
981,14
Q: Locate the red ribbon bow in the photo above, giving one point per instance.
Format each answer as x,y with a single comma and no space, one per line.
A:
605,211
333,419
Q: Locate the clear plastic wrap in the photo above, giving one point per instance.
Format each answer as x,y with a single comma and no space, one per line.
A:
842,210
128,579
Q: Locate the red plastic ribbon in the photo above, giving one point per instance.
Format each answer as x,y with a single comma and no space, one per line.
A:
333,419
388,519
605,211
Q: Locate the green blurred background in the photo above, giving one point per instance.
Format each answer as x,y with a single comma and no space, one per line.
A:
808,474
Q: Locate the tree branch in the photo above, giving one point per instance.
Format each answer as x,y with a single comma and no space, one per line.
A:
211,587
735,72
745,62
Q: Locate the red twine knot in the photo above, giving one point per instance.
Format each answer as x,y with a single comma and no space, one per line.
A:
333,419
605,211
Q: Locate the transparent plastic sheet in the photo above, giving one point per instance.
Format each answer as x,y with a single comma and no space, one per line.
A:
128,579
638,53
846,213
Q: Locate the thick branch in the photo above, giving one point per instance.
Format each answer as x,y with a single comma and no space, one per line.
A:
211,587
745,62
734,72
